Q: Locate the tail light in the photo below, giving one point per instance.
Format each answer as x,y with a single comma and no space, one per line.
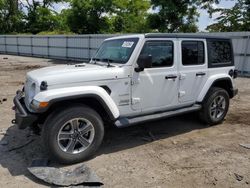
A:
233,73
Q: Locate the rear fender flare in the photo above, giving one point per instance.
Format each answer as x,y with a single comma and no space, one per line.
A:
210,82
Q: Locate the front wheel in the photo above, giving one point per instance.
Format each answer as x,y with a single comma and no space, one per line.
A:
73,134
215,106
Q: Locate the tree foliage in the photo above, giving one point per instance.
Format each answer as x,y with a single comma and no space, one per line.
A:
174,16
40,17
129,16
117,16
234,19
88,16
10,17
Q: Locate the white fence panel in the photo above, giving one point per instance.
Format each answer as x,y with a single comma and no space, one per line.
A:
11,40
40,51
12,49
2,40
26,50
40,41
2,48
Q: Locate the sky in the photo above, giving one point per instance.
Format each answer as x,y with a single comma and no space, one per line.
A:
204,19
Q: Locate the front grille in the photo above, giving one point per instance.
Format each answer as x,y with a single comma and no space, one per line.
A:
27,87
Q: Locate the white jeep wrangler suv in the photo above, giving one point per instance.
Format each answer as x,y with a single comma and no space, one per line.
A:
132,79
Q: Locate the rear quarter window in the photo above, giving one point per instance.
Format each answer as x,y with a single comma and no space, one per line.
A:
220,53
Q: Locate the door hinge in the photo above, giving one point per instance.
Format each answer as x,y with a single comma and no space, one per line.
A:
182,76
133,82
136,100
181,93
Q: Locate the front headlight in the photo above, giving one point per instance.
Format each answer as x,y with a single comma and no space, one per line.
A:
35,104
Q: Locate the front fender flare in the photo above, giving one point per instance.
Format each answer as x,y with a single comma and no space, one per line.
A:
61,94
211,80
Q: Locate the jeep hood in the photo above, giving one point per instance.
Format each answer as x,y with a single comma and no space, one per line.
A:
67,74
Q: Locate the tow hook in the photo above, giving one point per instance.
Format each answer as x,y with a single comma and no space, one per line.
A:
13,121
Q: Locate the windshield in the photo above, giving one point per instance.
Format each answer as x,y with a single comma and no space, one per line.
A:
116,51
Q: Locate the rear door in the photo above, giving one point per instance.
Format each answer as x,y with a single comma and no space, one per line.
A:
192,69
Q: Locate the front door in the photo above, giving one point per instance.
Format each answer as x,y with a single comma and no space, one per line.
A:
192,69
156,88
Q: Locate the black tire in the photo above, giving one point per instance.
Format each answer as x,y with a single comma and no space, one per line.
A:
55,124
209,104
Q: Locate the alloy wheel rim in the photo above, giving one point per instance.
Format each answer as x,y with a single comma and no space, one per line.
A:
76,135
218,107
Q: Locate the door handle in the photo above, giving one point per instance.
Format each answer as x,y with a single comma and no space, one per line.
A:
170,77
200,74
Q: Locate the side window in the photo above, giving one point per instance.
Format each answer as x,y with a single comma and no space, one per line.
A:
220,53
161,52
193,53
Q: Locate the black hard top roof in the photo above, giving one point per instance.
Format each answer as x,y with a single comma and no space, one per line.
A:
183,35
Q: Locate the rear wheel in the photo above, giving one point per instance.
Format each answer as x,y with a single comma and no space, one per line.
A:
215,106
73,134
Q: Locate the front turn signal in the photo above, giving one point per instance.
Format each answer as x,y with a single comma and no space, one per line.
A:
43,104
37,104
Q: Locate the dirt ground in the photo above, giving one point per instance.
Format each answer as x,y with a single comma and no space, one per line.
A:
176,152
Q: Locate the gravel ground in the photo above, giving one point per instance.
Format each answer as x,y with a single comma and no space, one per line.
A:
176,152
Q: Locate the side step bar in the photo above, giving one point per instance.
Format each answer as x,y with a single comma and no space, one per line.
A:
125,122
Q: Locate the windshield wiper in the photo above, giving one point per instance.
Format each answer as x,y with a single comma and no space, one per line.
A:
108,61
96,59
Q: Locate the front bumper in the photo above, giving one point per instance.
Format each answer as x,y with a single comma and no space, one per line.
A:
23,118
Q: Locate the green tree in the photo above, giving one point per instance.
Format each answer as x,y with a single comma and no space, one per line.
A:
173,16
10,17
129,16
88,16
40,17
234,19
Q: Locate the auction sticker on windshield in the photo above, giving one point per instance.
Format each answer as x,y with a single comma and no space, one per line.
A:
127,44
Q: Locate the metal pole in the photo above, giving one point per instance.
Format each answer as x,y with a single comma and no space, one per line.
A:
5,45
245,56
89,47
17,44
48,45
31,45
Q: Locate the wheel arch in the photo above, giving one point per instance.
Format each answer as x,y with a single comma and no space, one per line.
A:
92,96
224,83
92,101
221,82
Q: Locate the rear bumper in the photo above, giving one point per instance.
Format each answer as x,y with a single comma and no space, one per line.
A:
23,118
234,92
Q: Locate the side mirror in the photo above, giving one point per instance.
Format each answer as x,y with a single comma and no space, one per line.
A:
144,61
